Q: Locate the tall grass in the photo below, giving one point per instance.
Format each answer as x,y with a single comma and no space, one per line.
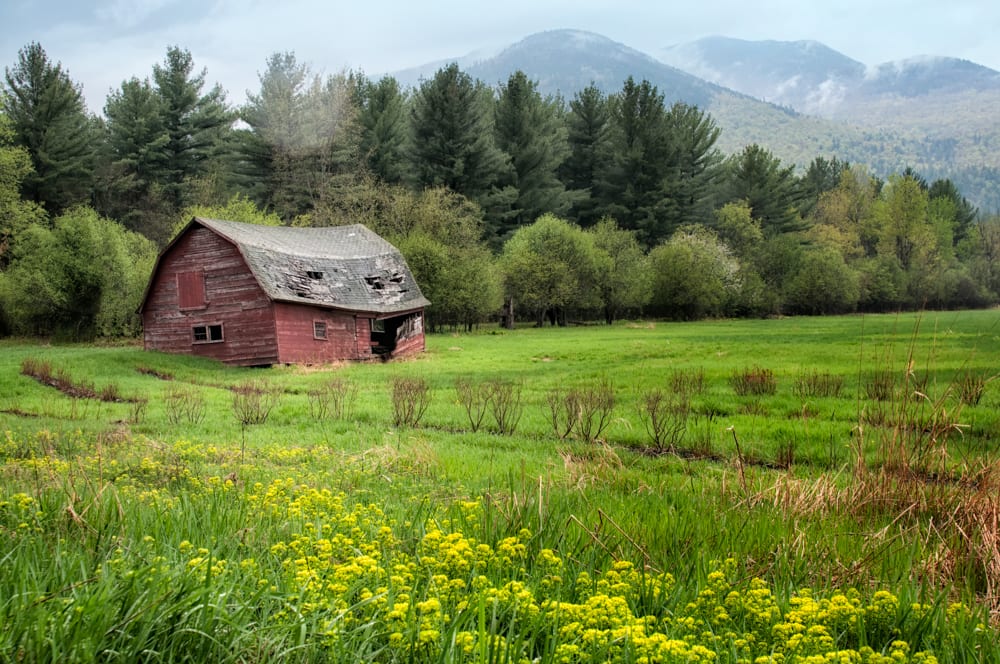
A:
104,516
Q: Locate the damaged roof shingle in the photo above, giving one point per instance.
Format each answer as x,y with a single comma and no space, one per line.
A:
342,267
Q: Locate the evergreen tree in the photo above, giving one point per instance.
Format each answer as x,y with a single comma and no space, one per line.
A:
757,177
693,166
588,126
196,124
530,130
632,189
383,126
303,134
48,119
453,143
965,213
823,175
131,182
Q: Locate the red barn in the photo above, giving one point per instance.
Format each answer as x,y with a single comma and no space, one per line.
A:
258,295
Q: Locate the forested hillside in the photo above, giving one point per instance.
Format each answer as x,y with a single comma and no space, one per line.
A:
599,203
933,114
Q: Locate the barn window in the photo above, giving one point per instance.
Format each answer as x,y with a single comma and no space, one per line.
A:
191,290
207,334
319,329
377,325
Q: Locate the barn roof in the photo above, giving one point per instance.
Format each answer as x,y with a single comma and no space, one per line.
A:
342,267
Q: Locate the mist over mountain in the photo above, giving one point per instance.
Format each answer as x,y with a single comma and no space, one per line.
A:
810,77
799,99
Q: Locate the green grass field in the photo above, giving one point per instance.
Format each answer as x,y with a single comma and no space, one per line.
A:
845,508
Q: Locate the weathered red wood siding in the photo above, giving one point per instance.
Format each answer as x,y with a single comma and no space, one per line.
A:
296,341
232,298
364,338
409,346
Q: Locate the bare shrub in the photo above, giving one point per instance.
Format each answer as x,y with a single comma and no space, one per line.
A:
563,411
335,399
253,401
138,409
754,407
880,385
690,382
582,411
474,397
970,386
410,398
504,400
184,404
755,381
812,384
110,392
665,418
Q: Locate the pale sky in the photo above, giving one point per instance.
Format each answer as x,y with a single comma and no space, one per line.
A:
104,42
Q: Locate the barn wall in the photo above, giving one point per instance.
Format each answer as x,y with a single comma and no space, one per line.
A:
409,346
364,347
232,298
407,332
297,344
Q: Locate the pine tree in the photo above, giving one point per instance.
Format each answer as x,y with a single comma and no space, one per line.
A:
531,132
770,189
965,213
589,136
693,167
452,139
196,124
384,132
303,135
48,118
130,187
633,188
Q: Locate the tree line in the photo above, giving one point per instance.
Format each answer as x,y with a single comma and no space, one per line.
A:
602,206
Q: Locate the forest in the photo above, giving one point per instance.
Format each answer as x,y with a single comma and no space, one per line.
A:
597,207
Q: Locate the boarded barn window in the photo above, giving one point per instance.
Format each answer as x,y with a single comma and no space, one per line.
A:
191,290
319,329
207,334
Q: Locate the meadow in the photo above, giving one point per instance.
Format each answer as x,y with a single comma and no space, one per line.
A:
802,489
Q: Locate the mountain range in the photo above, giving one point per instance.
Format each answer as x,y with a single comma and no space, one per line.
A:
799,99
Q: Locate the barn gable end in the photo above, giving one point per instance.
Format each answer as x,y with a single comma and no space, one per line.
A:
256,295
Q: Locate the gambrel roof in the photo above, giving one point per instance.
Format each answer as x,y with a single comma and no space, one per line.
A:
341,267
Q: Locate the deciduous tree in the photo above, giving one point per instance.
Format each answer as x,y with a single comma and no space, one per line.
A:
625,282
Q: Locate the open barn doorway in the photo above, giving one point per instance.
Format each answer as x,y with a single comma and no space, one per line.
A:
390,333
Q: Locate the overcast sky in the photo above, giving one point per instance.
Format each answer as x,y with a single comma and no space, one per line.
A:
103,42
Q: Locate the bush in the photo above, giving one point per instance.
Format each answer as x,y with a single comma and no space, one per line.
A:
253,401
333,399
410,398
665,418
584,412
754,382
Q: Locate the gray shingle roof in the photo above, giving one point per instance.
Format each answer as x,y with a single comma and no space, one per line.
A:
342,267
